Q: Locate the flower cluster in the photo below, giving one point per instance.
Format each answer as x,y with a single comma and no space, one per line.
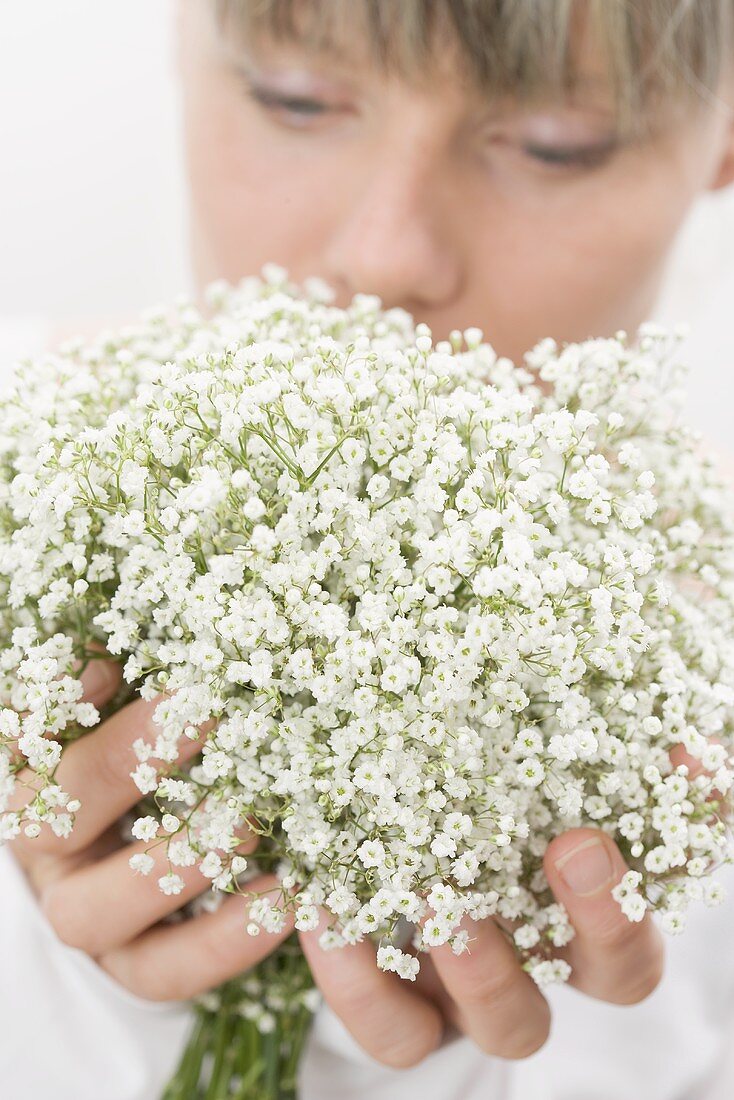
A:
422,609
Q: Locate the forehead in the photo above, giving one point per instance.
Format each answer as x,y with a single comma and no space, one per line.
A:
420,41
647,64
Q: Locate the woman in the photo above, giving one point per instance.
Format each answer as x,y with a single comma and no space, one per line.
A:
523,165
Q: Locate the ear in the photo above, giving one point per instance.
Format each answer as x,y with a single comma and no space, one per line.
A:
723,174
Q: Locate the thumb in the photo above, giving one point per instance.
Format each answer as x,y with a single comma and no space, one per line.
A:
612,958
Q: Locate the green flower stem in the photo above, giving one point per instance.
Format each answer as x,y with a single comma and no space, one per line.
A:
228,1056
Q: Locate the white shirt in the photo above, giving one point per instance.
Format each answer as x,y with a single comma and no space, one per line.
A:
69,1031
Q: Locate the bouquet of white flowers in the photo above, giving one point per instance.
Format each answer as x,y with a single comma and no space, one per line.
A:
423,610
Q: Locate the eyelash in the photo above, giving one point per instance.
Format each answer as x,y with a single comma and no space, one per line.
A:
307,108
581,157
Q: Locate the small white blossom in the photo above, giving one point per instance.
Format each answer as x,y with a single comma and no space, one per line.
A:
400,615
171,883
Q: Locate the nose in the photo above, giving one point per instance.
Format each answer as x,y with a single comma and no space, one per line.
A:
394,239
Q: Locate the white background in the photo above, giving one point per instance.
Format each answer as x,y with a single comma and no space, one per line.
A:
92,198
91,195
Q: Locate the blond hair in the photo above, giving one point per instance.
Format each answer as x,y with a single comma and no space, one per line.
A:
657,54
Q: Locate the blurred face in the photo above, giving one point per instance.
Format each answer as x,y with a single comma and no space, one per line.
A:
525,221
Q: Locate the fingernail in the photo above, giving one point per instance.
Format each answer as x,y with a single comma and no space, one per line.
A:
586,868
99,679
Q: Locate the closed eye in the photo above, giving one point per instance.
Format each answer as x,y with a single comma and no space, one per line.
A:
297,105
295,111
579,156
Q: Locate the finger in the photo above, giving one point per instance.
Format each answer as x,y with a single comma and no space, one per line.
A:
101,680
612,958
43,870
494,1001
96,770
105,904
387,1017
179,961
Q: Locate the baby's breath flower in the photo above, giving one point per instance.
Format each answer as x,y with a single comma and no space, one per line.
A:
419,613
171,883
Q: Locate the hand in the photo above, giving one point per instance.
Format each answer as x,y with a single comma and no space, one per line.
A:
484,993
95,902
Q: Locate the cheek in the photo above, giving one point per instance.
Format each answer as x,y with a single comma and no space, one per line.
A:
585,261
252,201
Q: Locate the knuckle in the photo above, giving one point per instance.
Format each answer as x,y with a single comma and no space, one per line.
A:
518,1032
137,976
113,762
67,849
409,1049
644,980
68,924
489,985
219,951
354,1005
391,1038
34,851
146,988
32,859
526,1041
221,948
618,934
630,960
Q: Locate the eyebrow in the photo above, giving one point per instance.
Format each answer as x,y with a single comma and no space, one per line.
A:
329,52
334,59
